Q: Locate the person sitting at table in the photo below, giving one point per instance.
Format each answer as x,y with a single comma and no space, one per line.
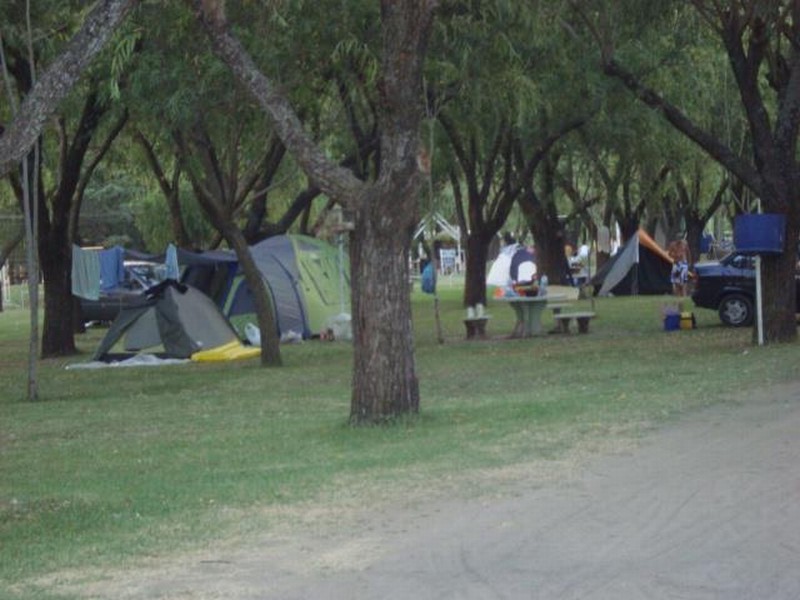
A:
523,271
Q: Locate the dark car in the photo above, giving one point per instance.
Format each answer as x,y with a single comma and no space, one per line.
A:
729,287
139,276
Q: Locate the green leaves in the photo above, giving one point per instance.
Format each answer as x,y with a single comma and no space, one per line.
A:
121,54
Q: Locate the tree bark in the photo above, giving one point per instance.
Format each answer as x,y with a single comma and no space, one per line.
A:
5,251
265,311
58,79
55,245
58,329
477,254
548,233
385,384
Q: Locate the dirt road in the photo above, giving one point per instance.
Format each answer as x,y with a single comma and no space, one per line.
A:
705,508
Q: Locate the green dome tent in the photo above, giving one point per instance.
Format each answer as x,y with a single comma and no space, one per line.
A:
308,281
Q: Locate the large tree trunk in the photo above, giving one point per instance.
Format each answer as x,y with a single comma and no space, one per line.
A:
55,245
58,337
550,257
778,272
475,282
384,375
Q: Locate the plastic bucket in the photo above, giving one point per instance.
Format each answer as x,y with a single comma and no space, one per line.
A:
672,322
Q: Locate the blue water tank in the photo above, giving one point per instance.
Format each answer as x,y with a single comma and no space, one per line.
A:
760,233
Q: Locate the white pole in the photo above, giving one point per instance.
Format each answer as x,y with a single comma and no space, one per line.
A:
759,314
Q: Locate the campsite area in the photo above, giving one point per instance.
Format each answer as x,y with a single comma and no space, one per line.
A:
123,475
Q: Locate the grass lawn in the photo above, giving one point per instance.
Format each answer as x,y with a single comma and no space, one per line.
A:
116,465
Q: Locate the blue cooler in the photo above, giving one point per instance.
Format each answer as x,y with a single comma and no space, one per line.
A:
759,233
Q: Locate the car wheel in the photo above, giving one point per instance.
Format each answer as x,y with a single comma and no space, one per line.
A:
736,310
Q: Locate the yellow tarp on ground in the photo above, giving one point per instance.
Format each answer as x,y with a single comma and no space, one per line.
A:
231,351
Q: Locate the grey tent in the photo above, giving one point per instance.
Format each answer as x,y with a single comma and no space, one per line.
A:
176,321
641,266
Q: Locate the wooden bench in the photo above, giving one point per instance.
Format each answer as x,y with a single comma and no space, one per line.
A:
557,307
581,318
564,297
476,327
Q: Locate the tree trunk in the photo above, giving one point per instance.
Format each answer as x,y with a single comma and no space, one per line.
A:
779,306
477,252
385,384
385,212
628,226
550,257
5,251
265,313
55,245
548,234
778,272
58,337
694,237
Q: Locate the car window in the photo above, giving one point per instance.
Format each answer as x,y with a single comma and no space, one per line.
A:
741,261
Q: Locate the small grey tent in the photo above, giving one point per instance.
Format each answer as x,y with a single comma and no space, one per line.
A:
176,321
641,266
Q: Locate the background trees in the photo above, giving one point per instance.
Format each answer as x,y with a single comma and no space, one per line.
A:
760,40
329,109
63,151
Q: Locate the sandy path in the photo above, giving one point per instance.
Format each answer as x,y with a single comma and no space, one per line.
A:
705,508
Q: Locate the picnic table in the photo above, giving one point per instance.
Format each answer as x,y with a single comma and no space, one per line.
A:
528,310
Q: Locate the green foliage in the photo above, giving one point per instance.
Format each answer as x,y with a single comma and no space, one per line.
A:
106,213
121,59
150,217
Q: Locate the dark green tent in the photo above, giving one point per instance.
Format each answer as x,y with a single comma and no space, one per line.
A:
176,321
